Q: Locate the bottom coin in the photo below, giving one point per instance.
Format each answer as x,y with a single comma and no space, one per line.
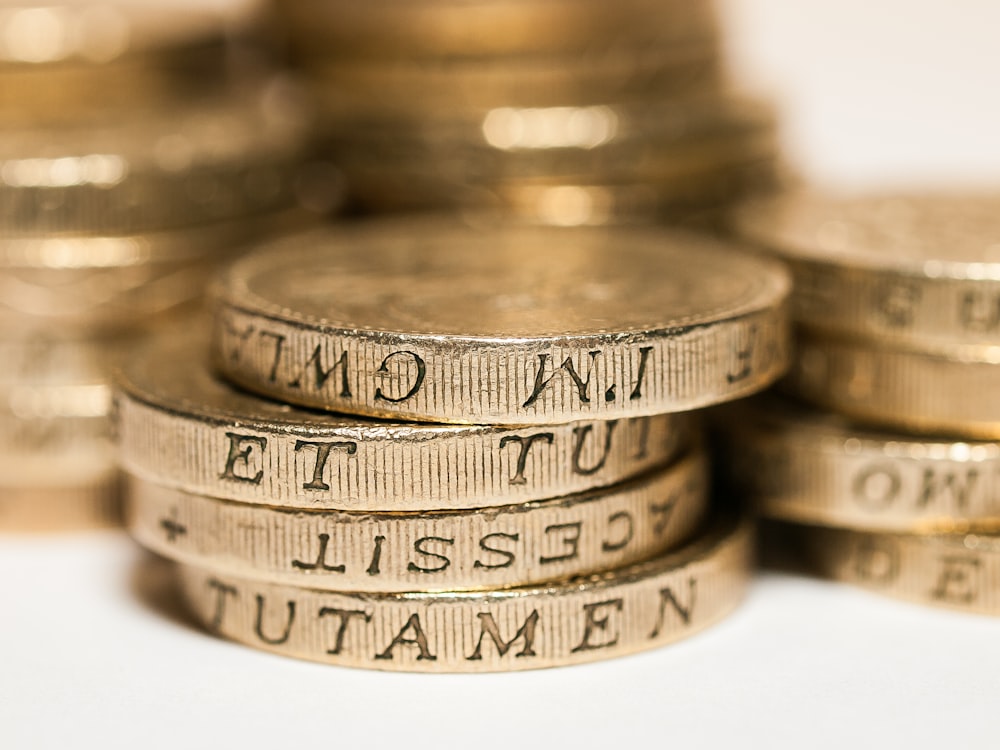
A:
585,619
959,571
82,506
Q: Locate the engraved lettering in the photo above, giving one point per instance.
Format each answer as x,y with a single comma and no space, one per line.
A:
959,580
419,640
541,382
322,454
524,444
979,313
484,545
488,627
417,381
662,512
322,374
642,450
374,567
667,597
876,562
896,303
172,527
241,336
420,547
876,486
320,564
744,358
222,590
636,393
596,617
279,347
959,489
344,617
240,449
580,437
572,541
259,624
629,524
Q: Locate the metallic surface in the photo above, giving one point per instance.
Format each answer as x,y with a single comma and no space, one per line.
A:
587,619
180,426
454,550
432,321
797,464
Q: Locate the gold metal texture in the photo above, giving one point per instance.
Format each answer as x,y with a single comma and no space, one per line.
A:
202,163
179,426
798,464
491,28
946,390
913,270
434,321
450,550
957,571
586,619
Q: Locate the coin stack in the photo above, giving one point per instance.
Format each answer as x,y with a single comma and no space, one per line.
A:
889,479
560,112
518,486
133,157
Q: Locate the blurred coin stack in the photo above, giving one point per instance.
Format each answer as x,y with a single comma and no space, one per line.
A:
560,112
519,486
889,480
136,149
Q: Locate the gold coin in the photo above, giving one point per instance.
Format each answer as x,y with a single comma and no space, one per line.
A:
949,390
62,61
109,284
429,551
235,158
920,270
444,28
179,426
435,94
586,619
958,571
437,322
797,464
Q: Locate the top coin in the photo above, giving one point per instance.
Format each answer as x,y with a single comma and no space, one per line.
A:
434,321
920,269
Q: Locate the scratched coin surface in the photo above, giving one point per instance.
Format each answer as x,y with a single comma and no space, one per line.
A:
947,390
799,464
178,425
452,550
438,322
919,269
958,571
607,615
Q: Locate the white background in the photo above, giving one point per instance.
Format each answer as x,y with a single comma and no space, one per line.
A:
92,654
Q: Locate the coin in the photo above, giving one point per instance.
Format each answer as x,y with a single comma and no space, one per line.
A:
204,163
586,619
491,27
180,426
436,322
958,571
798,464
947,390
429,551
436,93
64,61
920,270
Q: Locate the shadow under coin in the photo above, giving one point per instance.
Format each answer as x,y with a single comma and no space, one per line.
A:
154,584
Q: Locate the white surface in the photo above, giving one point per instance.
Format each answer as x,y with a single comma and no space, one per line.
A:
872,92
86,661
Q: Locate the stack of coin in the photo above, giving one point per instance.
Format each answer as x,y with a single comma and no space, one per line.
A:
562,112
887,479
133,157
518,486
